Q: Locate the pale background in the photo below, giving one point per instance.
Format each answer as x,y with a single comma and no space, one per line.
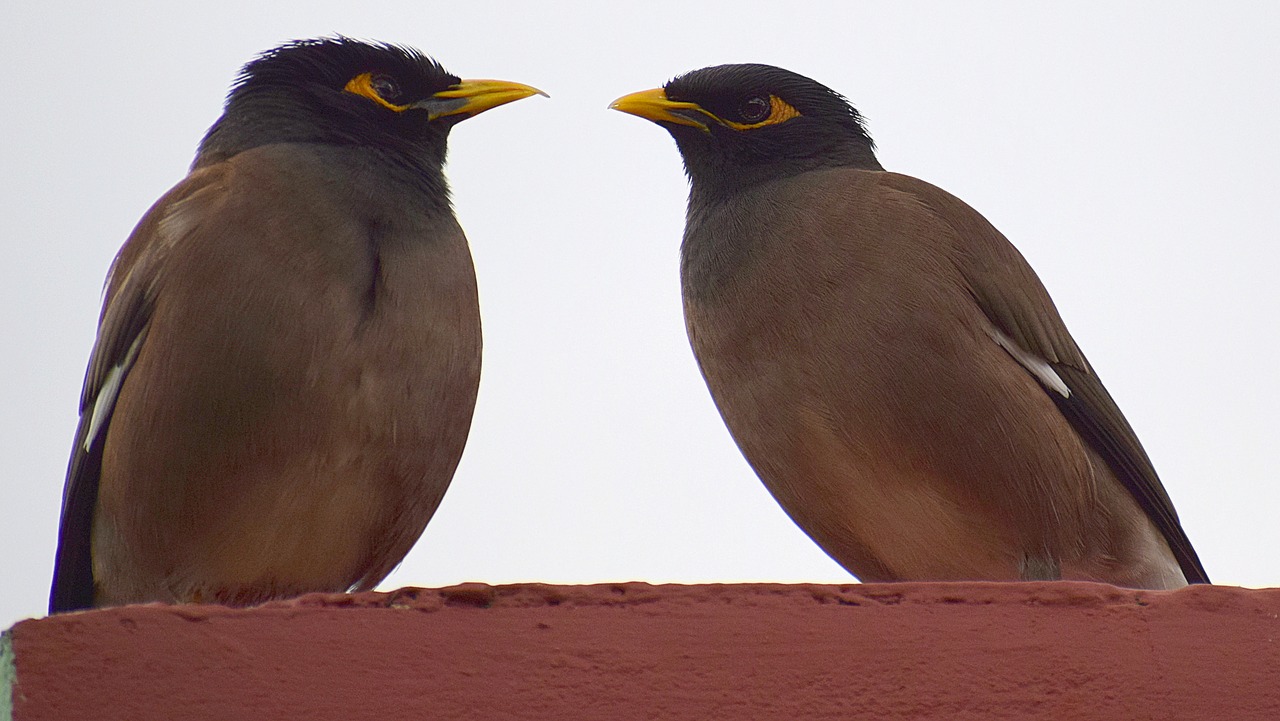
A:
1128,149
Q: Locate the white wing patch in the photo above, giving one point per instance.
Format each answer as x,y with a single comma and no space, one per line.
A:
106,400
1036,365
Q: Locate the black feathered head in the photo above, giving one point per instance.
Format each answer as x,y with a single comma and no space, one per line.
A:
340,91
737,125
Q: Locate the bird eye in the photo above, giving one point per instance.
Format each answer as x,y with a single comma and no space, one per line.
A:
385,87
754,109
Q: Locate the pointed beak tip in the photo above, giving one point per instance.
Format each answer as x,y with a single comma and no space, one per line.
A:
525,91
622,103
625,104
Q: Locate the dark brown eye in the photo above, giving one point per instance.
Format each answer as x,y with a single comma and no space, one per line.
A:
385,87
754,109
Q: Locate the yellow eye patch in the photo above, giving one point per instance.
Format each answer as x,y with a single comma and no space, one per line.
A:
363,85
780,111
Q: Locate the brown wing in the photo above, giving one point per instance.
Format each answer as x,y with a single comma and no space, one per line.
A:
1008,290
122,329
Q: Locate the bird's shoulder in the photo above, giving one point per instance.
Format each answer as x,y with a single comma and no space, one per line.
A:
994,271
219,209
166,219
132,281
898,200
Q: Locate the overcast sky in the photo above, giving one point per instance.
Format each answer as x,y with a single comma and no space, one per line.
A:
1128,149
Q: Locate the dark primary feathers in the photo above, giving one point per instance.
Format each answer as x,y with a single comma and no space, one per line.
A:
790,219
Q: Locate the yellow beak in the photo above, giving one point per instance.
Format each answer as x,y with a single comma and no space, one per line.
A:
472,97
656,106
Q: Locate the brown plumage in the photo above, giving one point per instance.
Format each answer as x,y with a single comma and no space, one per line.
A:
889,364
289,349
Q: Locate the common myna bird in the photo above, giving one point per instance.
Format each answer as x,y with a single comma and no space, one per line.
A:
888,363
289,347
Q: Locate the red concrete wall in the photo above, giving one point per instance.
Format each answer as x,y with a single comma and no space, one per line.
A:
635,651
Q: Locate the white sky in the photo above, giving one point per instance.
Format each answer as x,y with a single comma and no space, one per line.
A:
1128,149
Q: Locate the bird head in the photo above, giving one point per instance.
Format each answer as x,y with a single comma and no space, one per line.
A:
737,125
340,91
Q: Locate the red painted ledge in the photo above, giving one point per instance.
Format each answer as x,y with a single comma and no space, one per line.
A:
636,651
